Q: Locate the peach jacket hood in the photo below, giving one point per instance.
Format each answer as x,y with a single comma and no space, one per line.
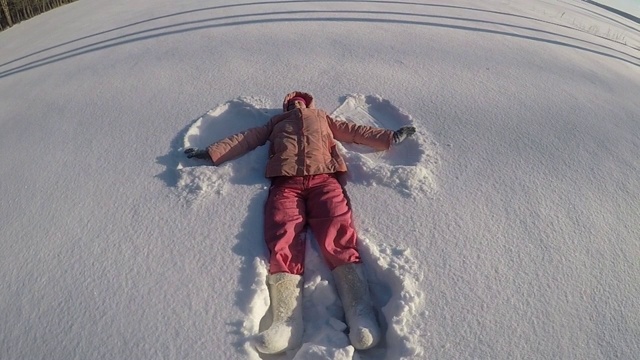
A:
302,141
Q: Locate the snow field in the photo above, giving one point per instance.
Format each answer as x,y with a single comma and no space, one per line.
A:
506,227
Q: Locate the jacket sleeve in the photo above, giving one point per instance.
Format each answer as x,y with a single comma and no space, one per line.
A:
239,144
376,138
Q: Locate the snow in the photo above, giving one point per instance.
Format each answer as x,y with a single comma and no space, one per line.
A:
629,6
506,228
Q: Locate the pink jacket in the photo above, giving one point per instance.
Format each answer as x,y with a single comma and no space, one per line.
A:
302,141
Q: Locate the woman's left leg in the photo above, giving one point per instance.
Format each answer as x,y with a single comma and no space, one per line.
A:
329,216
330,219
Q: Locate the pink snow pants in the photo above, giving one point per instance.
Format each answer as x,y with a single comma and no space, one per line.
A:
318,201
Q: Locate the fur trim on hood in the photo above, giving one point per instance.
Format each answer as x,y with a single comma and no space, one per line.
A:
306,96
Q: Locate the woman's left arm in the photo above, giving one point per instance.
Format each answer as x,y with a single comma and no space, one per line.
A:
379,139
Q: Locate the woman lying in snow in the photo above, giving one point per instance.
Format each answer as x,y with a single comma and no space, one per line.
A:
304,166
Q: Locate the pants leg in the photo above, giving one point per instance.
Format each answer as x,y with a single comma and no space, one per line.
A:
284,226
330,219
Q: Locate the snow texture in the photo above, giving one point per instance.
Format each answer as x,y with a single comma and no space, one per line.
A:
505,228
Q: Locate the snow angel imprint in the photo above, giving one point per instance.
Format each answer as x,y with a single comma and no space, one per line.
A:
305,169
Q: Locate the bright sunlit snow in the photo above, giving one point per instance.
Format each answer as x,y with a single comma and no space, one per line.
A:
506,228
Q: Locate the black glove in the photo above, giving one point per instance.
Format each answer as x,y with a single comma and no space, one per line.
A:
197,153
403,133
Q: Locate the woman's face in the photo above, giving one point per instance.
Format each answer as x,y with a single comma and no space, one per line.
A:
296,104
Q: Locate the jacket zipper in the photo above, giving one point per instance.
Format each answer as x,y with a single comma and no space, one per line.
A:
302,146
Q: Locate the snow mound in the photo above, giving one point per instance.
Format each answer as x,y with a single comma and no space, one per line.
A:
394,281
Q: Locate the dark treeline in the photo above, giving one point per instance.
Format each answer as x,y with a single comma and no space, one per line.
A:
15,11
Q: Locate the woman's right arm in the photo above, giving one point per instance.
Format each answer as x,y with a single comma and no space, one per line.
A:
239,144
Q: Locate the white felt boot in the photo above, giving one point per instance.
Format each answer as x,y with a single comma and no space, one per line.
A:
285,291
364,331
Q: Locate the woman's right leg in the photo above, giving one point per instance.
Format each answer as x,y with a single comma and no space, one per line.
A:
284,226
332,224
284,234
